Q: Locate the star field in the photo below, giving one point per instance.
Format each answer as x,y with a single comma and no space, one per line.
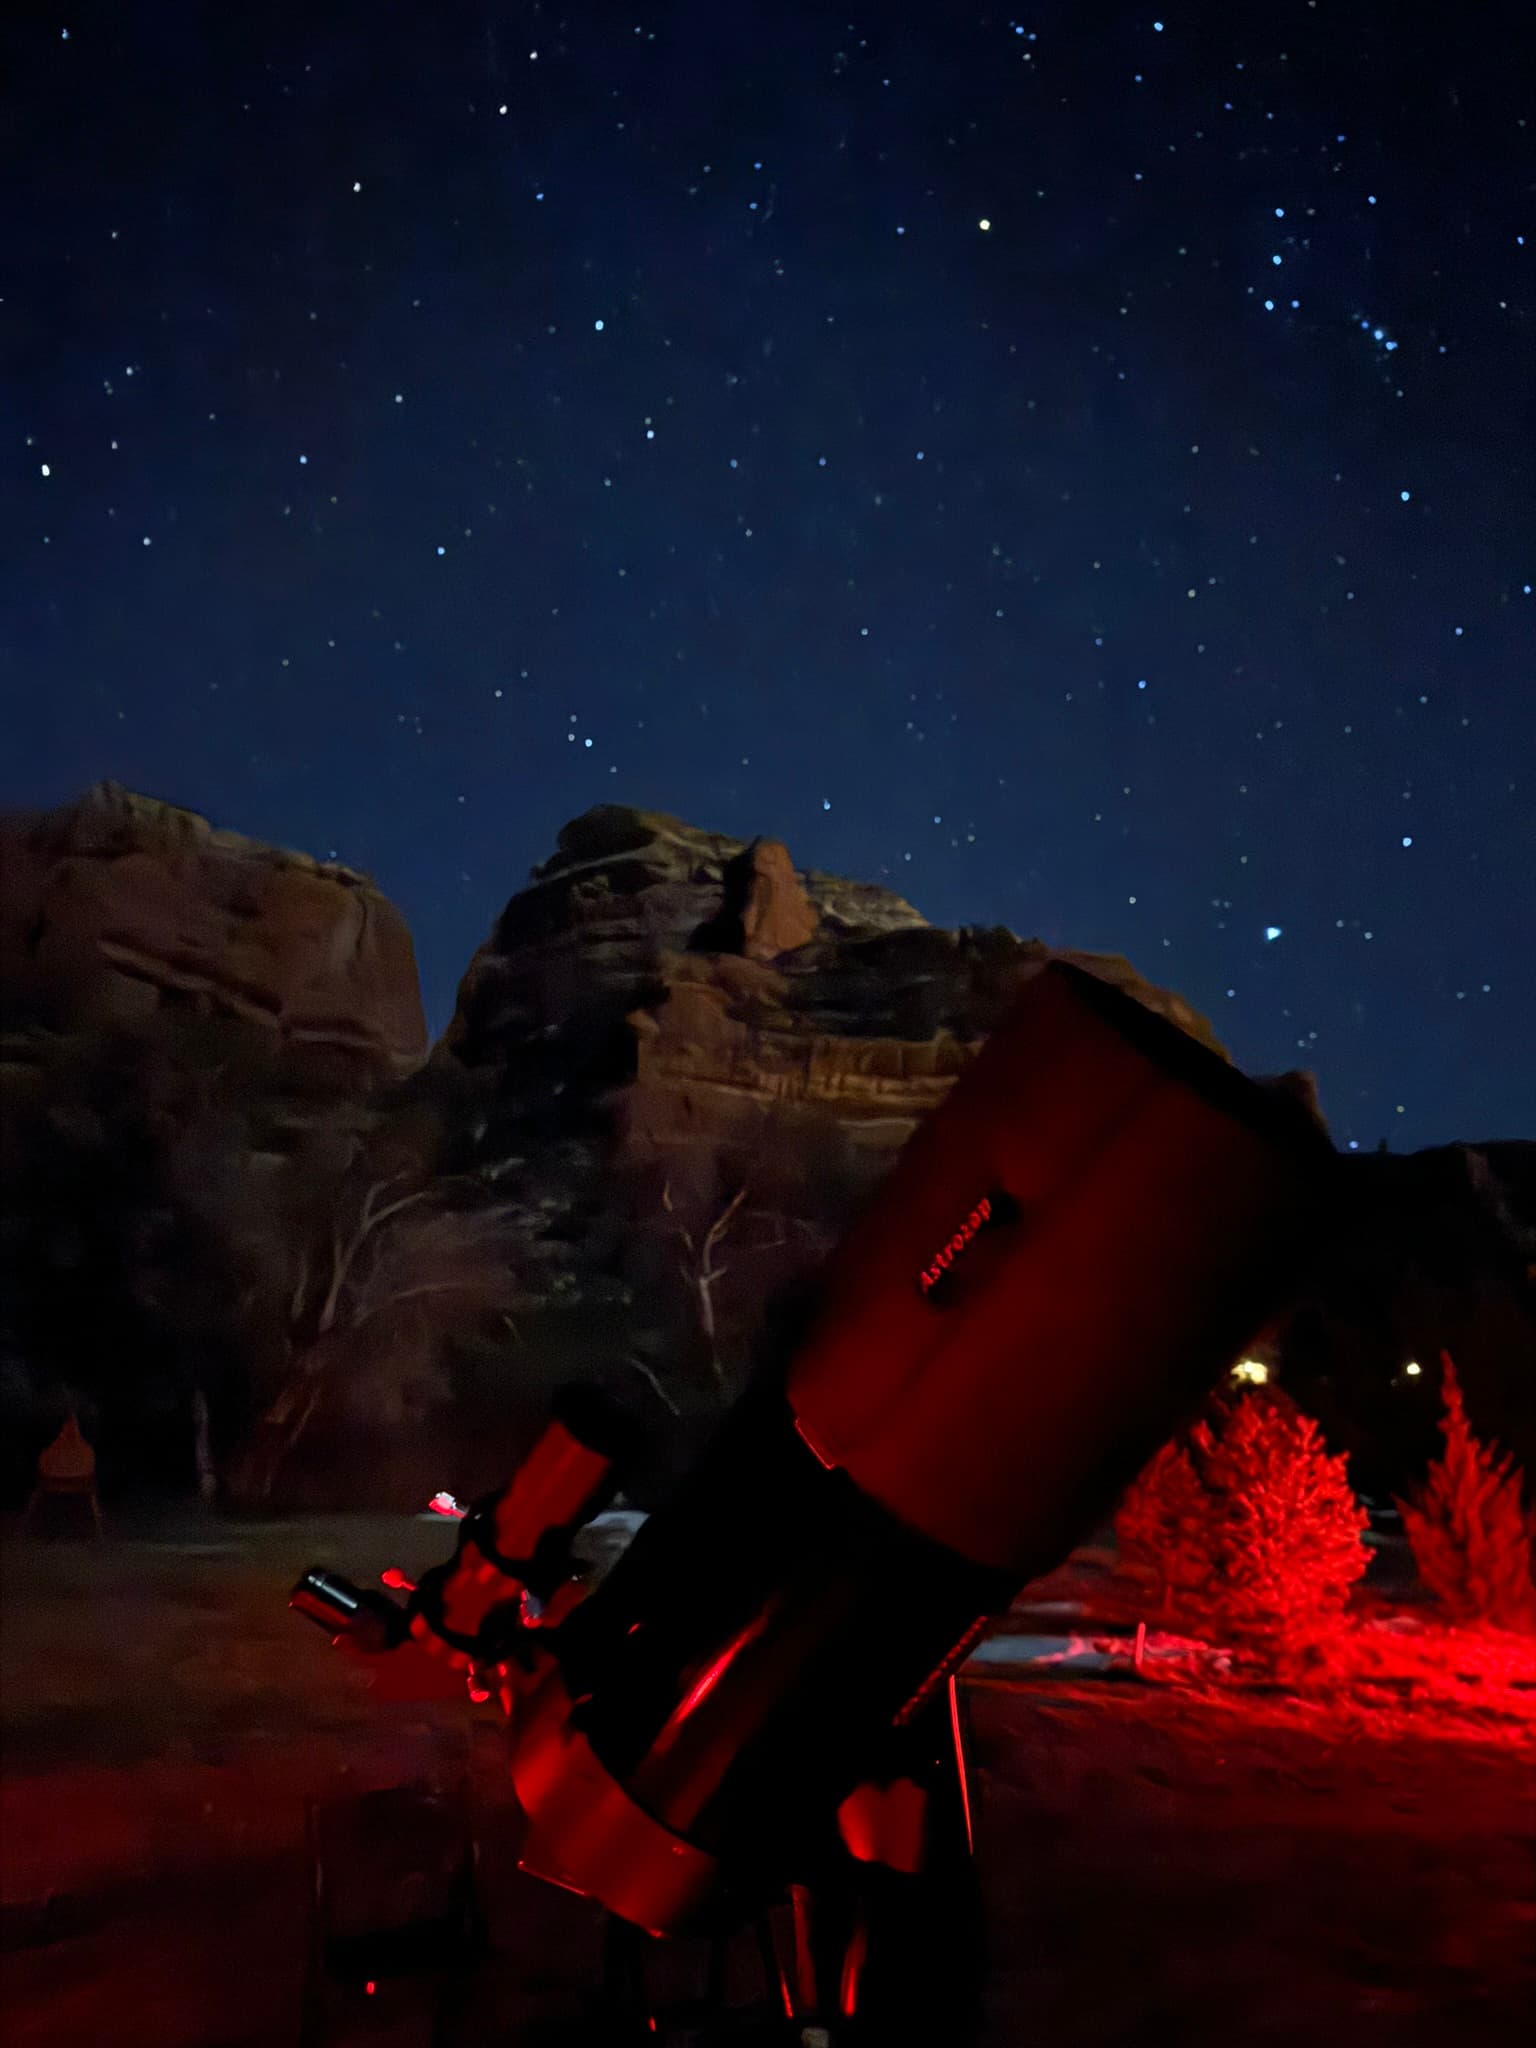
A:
1077,467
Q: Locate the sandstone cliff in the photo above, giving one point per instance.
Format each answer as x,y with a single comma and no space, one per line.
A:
687,1062
722,988
679,1063
203,1045
693,1059
118,907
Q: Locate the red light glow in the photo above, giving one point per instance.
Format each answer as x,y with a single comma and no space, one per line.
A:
853,1971
711,1676
812,1446
958,1733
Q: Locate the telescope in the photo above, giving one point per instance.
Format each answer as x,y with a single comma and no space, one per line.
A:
756,1705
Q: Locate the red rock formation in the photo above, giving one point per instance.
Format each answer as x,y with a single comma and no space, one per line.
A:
694,1016
118,906
636,908
777,916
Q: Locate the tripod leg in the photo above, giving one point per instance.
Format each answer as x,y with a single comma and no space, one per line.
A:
850,1989
910,1962
803,1932
776,1979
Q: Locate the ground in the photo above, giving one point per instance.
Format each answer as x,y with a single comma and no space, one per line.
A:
1161,1862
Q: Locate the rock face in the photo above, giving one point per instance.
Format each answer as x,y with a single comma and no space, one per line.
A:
678,1061
202,1035
118,906
712,955
777,916
722,998
705,1026
688,1064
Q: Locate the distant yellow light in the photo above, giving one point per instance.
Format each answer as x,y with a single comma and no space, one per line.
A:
1252,1371
1413,1368
983,225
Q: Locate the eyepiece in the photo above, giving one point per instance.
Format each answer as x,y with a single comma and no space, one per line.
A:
364,1617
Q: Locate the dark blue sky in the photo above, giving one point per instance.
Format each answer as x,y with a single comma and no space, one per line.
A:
1078,466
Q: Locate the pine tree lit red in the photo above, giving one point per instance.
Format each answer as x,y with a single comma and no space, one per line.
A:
1248,1529
1472,1538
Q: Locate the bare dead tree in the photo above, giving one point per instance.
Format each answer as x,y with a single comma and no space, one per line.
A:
394,1259
652,1380
798,1233
351,1255
700,1270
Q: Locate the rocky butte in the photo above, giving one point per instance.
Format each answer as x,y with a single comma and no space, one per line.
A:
679,1061
703,1056
688,1060
119,908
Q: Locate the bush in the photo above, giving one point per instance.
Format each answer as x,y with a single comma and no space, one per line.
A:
1247,1528
1472,1539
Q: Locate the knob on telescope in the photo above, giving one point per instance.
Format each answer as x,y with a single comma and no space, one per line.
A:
366,1619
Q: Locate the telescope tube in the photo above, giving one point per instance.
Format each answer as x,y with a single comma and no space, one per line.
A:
1067,1255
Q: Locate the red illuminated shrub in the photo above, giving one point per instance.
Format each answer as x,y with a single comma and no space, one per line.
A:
1248,1530
1471,1536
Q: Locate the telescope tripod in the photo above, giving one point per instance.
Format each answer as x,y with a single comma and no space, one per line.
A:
856,1952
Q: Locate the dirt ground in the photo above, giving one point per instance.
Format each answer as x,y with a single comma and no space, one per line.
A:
1158,1865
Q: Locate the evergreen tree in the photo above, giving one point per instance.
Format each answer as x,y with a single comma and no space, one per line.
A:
1248,1529
1472,1539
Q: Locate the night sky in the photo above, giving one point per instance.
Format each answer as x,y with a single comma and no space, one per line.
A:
1078,467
